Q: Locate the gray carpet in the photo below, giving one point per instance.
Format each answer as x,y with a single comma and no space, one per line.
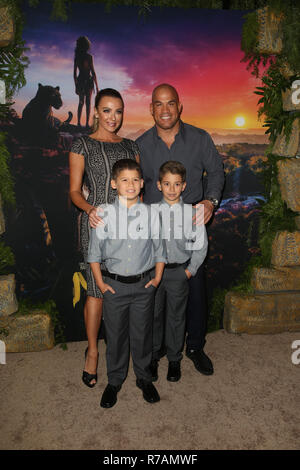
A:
251,401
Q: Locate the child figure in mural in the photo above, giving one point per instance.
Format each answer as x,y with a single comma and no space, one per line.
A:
86,78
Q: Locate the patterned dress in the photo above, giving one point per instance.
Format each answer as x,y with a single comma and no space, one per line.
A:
99,159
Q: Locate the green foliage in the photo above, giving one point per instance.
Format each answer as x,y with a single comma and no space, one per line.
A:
27,306
244,282
7,258
6,180
249,44
250,33
216,305
12,71
13,62
216,309
291,35
276,119
60,10
275,215
290,30
4,110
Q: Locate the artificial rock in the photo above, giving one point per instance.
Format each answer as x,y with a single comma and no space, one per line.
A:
2,220
287,101
269,33
286,70
7,28
276,312
286,249
289,177
28,332
8,300
284,147
276,279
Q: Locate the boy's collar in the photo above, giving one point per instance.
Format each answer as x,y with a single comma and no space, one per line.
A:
123,206
179,203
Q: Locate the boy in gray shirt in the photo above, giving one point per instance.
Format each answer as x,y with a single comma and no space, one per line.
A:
186,245
129,243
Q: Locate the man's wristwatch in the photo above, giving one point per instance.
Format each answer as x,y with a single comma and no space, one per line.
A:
214,201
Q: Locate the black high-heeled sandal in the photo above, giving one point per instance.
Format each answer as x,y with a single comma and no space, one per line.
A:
86,377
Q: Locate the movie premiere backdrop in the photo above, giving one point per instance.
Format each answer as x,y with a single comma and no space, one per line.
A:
197,51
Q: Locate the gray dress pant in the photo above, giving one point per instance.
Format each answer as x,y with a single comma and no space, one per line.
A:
128,317
169,313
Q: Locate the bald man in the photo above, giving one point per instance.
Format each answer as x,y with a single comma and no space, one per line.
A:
172,139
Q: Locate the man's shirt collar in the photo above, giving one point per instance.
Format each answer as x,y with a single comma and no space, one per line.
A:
180,134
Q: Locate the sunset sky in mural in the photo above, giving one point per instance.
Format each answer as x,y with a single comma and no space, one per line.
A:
196,50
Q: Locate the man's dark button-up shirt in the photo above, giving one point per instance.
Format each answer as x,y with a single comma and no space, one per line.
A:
194,148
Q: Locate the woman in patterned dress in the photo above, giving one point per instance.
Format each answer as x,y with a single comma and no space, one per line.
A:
91,160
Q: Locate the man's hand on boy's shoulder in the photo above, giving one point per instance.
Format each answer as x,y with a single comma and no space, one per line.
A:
204,212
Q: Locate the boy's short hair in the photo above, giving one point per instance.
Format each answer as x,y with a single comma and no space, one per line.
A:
125,164
174,167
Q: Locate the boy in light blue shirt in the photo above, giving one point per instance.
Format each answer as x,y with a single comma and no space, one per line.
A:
129,243
186,245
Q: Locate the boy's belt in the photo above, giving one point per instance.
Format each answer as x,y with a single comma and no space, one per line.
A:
126,279
175,265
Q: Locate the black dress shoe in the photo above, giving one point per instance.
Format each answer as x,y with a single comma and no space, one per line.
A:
150,393
201,361
109,397
174,372
153,369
